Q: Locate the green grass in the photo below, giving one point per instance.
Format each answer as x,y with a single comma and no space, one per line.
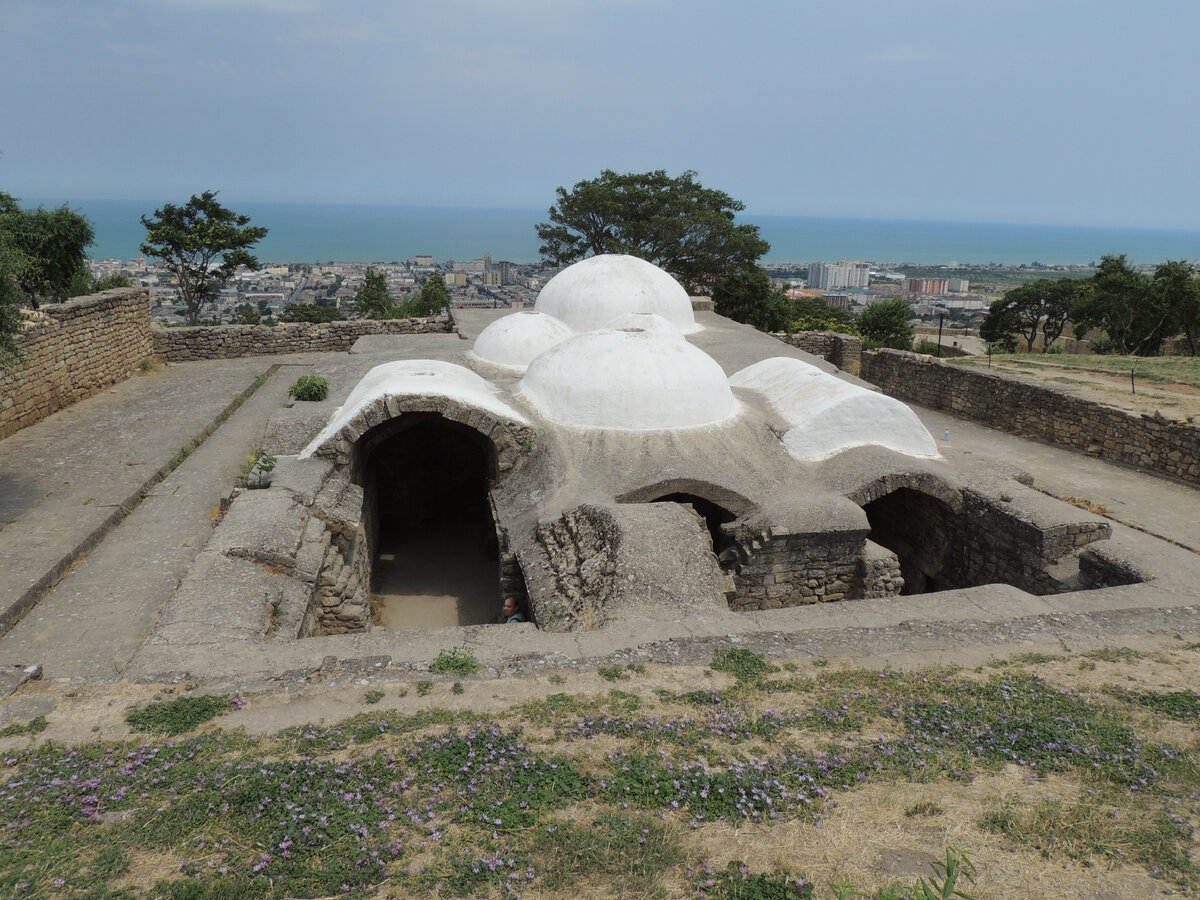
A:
178,716
455,661
596,793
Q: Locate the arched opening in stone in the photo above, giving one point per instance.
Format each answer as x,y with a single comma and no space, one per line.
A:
427,511
919,529
716,505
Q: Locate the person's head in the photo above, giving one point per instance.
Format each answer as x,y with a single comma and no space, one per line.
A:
511,607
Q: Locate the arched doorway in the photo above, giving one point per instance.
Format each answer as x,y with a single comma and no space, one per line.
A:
435,560
919,529
713,514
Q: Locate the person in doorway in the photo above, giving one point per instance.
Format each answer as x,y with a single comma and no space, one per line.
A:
511,611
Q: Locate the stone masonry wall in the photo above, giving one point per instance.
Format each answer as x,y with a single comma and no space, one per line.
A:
229,341
73,350
843,350
776,568
1152,443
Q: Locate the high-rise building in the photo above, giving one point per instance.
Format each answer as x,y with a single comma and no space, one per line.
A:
834,276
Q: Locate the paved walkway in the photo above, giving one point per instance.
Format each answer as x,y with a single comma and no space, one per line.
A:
65,481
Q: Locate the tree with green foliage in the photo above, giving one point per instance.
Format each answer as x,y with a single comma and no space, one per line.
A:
304,312
1177,291
814,314
1039,306
433,299
202,244
747,296
247,314
374,300
1119,300
886,324
675,223
44,250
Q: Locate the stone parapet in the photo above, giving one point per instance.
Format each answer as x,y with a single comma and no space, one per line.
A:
1032,409
72,350
843,350
230,341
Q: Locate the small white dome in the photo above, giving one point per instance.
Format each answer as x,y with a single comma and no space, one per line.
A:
825,415
651,322
628,381
515,340
594,291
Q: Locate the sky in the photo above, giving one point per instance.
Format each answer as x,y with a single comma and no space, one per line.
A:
1046,112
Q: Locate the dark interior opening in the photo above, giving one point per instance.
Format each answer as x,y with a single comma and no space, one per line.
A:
435,549
714,517
918,528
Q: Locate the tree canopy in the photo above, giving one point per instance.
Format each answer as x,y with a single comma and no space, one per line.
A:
374,300
675,223
433,299
1041,305
202,243
42,251
886,324
747,296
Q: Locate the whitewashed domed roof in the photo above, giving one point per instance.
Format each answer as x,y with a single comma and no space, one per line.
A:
651,322
591,293
824,415
515,340
628,381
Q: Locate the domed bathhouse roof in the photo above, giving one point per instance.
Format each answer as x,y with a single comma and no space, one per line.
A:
628,380
415,377
651,322
825,415
515,340
593,292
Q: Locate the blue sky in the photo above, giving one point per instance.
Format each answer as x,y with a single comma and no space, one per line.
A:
1030,112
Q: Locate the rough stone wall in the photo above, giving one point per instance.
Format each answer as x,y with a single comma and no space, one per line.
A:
1151,443
880,573
773,568
999,542
843,350
73,350
229,341
578,560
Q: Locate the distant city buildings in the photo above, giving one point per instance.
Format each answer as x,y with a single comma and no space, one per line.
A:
829,276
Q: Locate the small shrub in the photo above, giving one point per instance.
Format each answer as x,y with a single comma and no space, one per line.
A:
309,387
373,696
423,688
611,673
178,716
455,661
457,688
927,347
746,666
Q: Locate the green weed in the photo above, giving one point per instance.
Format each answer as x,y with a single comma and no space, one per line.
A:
178,716
455,661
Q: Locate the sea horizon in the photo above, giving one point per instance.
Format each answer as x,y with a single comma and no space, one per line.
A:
324,232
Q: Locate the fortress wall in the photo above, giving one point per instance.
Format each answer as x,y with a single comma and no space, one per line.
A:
843,350
73,350
230,341
1151,443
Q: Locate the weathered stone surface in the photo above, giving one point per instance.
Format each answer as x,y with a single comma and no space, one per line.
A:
222,599
265,526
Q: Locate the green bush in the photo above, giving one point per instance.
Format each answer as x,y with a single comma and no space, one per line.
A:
456,661
927,347
178,716
309,387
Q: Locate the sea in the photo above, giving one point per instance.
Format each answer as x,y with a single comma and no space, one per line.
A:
319,232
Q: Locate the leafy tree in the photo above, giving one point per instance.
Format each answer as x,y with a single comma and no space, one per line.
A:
202,243
1178,292
10,315
886,324
1041,305
433,299
1119,300
814,314
247,314
675,223
304,312
45,249
374,300
747,296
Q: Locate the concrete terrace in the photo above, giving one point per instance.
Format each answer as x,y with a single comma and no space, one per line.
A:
104,505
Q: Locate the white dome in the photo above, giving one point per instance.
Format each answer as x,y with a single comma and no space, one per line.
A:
825,415
646,322
628,381
515,340
594,291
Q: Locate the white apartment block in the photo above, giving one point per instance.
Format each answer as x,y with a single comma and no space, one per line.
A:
834,276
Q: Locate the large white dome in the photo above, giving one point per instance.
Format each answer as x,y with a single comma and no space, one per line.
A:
515,340
824,415
628,380
594,291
